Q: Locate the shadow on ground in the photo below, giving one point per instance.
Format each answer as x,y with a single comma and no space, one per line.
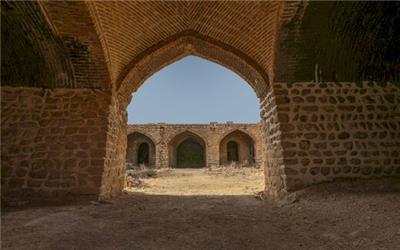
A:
344,219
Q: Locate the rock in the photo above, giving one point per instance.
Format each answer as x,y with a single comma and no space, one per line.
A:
288,199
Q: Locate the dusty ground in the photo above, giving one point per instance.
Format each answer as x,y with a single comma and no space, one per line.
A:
218,181
199,210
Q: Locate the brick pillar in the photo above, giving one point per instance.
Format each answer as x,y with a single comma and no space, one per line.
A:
162,156
212,152
162,159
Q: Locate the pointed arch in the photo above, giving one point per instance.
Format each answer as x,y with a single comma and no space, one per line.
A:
238,130
195,142
184,44
244,153
137,154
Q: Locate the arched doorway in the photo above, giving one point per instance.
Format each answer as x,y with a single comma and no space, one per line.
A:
232,149
185,44
190,154
187,150
140,150
191,43
143,153
237,147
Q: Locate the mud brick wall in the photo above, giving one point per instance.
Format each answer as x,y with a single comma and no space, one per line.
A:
53,141
331,130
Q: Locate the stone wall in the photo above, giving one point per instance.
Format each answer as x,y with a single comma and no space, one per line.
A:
275,178
335,130
73,141
113,175
53,141
213,133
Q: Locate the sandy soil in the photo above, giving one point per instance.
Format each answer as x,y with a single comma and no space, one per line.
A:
202,210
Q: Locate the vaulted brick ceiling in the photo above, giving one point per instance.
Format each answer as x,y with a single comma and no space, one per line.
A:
31,54
286,39
129,28
343,40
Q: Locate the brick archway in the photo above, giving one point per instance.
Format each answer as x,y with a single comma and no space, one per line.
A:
188,43
180,138
185,44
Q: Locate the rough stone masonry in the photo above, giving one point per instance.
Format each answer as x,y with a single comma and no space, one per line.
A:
327,77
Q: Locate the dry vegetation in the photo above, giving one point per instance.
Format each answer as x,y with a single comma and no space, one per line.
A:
211,181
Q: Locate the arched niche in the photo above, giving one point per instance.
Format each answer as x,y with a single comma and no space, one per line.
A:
187,150
140,151
238,147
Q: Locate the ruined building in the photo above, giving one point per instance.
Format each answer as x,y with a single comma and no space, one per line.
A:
329,96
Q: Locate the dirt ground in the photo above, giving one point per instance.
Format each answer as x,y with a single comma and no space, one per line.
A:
220,209
218,181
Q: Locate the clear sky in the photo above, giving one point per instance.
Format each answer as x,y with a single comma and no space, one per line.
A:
194,90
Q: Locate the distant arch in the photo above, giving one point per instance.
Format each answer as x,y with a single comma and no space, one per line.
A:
141,150
187,150
237,146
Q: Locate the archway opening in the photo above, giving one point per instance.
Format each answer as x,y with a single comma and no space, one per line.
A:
194,90
174,102
187,150
140,151
237,147
190,154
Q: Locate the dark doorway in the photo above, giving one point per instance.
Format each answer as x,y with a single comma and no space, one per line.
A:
252,154
190,154
233,151
143,153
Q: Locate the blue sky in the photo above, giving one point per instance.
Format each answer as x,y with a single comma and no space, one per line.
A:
194,90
